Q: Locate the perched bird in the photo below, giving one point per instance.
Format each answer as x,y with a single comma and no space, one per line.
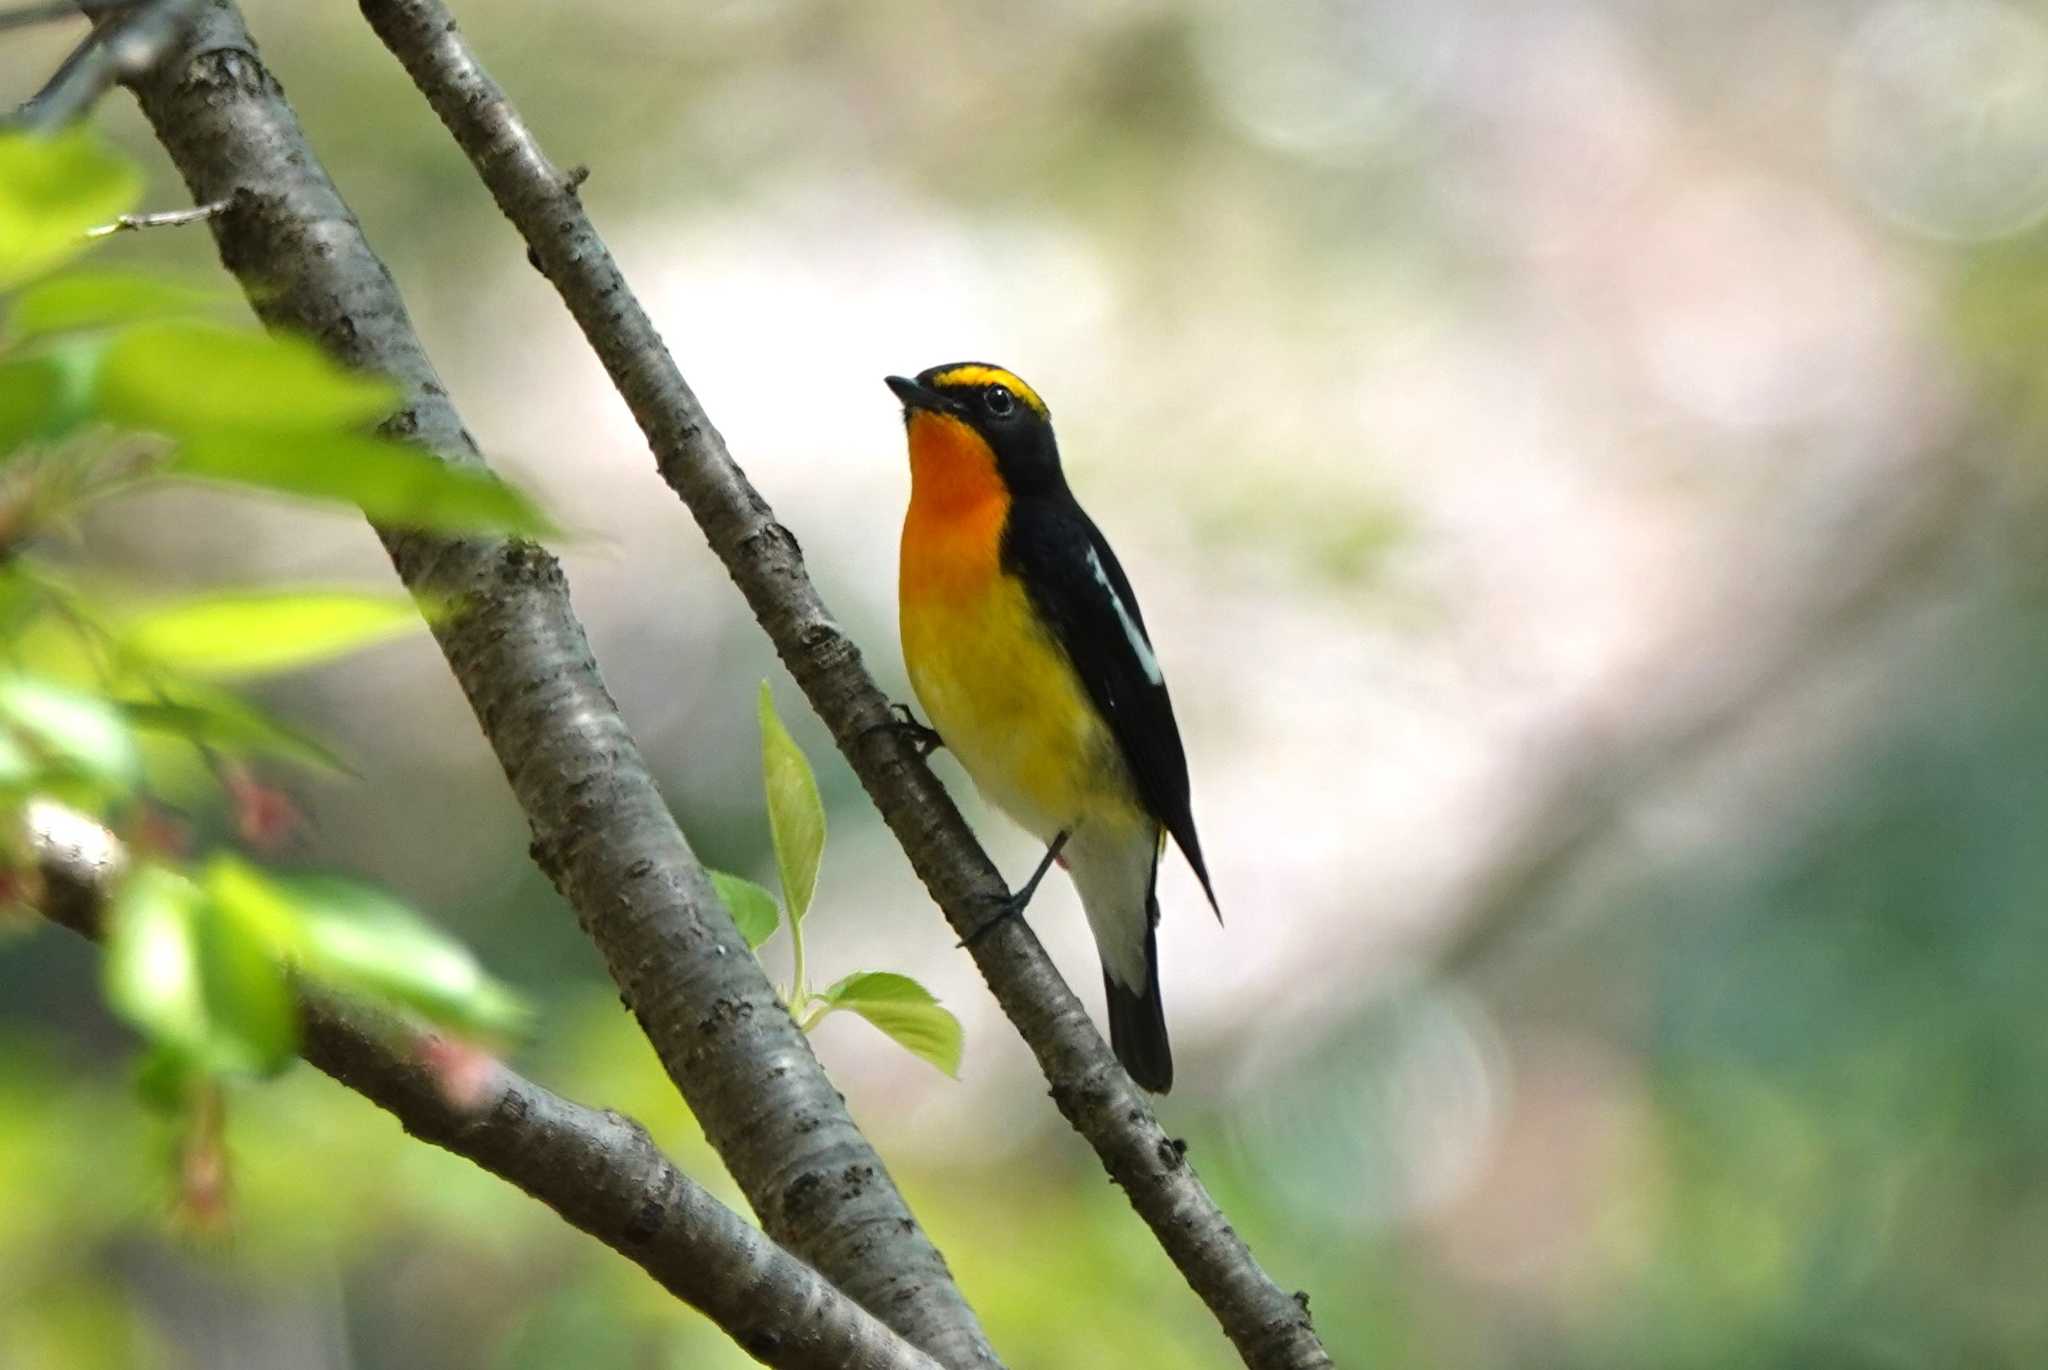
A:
1028,654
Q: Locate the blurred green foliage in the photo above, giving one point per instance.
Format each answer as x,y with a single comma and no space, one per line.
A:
103,392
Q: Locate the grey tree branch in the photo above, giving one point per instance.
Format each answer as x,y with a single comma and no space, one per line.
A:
124,42
599,1170
1269,1326
600,828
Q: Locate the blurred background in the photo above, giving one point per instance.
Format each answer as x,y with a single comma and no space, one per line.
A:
1580,462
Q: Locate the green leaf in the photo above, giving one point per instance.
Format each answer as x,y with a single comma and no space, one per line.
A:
17,768
906,1011
166,1077
196,980
362,939
187,378
252,1018
71,726
266,909
30,388
99,299
389,481
76,361
228,725
753,908
51,191
47,395
239,633
152,962
796,814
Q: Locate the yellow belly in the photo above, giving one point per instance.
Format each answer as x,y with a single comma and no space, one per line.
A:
1008,705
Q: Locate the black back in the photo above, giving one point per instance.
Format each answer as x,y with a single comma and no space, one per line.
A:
1054,548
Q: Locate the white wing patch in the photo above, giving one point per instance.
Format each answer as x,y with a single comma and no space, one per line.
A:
1146,661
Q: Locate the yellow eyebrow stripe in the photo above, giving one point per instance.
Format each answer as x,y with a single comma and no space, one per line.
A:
992,375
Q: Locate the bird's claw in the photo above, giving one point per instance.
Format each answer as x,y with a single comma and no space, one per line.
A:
1008,907
924,741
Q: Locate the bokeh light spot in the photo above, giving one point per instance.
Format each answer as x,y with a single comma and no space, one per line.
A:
1940,117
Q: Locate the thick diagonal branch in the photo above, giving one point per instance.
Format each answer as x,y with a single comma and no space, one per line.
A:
600,828
1269,1326
599,1170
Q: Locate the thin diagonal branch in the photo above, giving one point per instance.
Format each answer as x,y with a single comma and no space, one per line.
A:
600,828
27,16
1269,1326
599,1170
123,44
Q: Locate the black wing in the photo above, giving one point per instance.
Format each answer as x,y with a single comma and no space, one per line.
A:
1083,595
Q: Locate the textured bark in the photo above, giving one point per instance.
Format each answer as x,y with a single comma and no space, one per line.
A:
599,1170
1269,1326
600,829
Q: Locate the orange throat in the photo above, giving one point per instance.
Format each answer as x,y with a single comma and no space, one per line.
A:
952,534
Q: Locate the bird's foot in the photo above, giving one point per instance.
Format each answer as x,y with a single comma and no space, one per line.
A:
1010,905
924,741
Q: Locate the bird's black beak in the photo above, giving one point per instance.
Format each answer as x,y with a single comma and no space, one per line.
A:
915,396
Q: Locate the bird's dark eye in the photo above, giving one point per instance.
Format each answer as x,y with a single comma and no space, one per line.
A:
999,400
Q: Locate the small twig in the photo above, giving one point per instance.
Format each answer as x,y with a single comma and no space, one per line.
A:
68,84
29,15
163,218
125,42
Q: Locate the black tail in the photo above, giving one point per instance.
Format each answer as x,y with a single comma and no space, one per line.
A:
1137,1025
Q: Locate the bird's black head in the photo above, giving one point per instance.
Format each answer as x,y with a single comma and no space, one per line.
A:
999,408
